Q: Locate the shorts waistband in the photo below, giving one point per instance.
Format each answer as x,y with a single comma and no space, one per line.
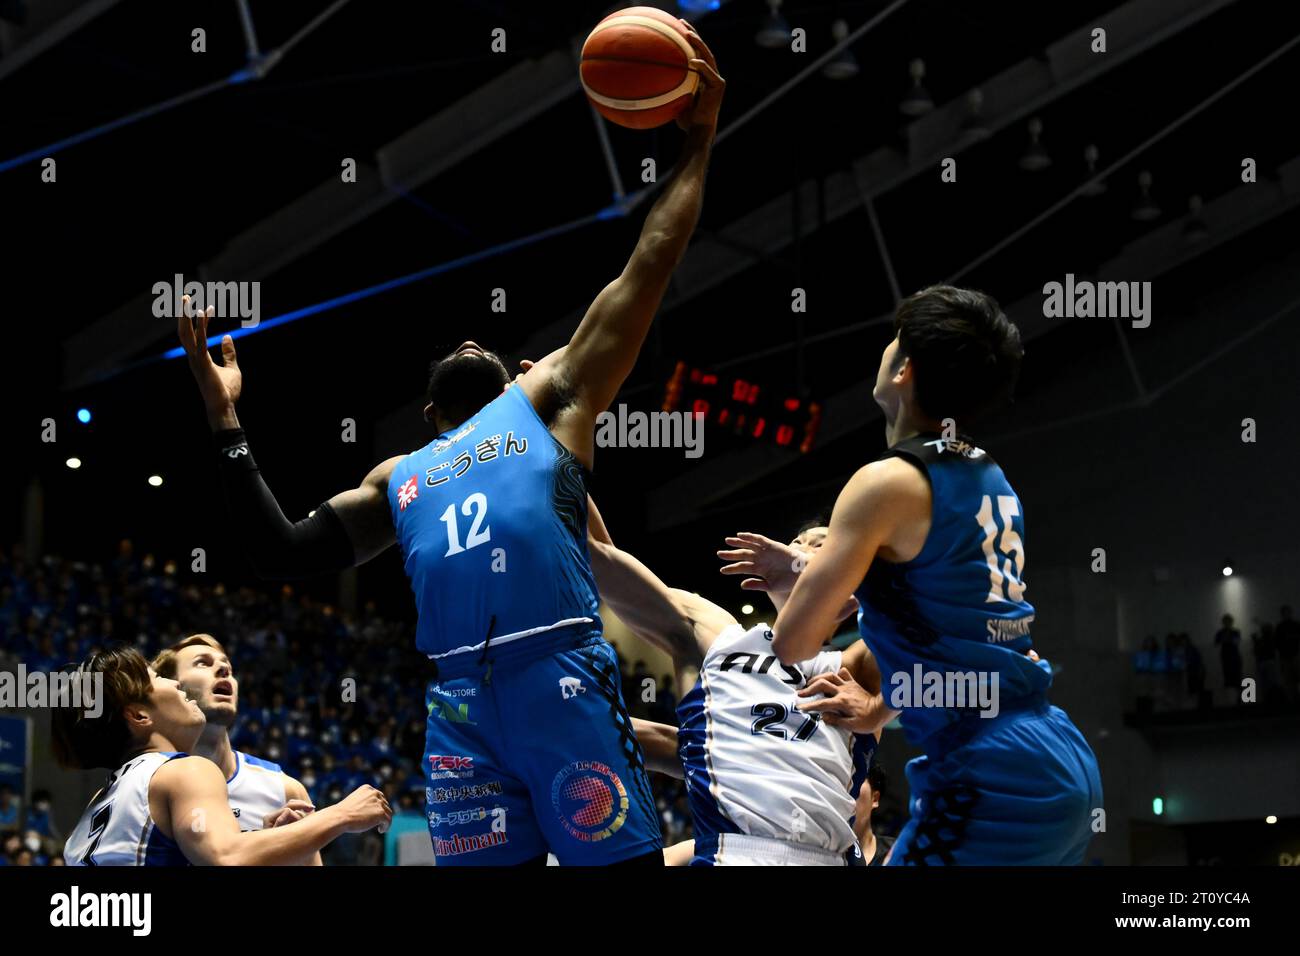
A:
783,852
515,652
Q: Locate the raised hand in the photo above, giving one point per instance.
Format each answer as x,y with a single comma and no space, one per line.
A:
220,385
843,702
769,565
708,96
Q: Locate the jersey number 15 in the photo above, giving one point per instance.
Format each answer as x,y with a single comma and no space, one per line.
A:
1005,583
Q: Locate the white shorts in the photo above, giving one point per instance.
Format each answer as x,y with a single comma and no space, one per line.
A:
739,849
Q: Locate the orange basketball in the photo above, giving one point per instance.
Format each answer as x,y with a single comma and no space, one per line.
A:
635,68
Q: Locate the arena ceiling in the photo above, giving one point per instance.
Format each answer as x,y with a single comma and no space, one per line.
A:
464,152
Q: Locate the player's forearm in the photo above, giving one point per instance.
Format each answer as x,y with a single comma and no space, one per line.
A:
223,418
803,624
276,547
641,601
288,845
672,219
659,744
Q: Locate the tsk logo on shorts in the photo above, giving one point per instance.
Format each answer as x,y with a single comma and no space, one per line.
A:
571,687
590,800
442,767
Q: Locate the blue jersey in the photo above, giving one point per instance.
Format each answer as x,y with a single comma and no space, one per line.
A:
492,521
959,605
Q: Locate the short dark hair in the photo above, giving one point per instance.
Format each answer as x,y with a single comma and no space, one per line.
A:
82,742
877,779
966,353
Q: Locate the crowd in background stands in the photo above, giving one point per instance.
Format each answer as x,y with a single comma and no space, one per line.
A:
1174,676
292,656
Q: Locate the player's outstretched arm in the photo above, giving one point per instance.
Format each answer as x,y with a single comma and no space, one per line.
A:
681,624
349,529
659,744
879,501
188,798
592,368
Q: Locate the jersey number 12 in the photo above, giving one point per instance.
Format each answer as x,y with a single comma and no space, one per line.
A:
475,504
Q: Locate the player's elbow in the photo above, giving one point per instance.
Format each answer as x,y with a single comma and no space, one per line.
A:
225,854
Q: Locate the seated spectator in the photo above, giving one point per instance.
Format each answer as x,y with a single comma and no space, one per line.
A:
39,819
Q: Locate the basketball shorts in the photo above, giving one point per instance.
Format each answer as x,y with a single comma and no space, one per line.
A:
1020,792
531,750
740,849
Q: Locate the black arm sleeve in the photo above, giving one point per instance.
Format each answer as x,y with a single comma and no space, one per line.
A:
276,547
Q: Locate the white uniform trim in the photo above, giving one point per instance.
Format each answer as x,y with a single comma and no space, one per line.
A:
741,849
507,638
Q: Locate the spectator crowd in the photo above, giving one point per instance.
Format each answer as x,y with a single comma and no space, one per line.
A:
335,698
1175,675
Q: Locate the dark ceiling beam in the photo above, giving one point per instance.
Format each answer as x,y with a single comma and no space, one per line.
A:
49,22
419,155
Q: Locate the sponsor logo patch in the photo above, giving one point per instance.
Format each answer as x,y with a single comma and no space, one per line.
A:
590,800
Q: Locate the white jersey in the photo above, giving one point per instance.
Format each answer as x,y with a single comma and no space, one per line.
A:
255,789
117,828
755,764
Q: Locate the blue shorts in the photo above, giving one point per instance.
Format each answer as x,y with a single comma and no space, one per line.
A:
533,751
1021,791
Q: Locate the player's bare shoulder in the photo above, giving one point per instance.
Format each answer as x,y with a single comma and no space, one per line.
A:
897,491
379,475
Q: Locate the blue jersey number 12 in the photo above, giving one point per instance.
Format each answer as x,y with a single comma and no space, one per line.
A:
475,504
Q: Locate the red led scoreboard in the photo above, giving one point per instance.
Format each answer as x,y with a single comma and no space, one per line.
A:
744,407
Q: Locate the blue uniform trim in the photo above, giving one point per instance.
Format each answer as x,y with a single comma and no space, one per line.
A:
692,747
864,752
259,762
162,850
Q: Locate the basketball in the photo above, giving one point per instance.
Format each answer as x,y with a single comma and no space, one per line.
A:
636,68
